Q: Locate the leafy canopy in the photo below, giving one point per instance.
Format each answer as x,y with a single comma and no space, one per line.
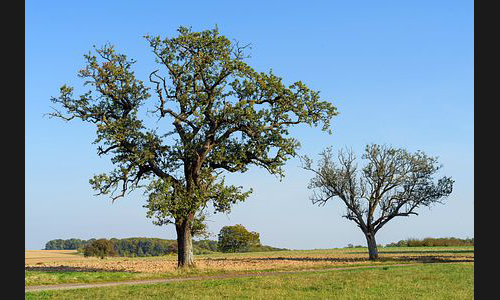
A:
237,239
224,117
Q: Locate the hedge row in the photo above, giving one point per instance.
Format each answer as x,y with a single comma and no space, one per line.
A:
450,241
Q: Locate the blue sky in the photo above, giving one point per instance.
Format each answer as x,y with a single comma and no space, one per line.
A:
400,73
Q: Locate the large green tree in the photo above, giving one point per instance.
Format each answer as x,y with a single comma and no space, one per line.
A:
393,183
222,116
237,239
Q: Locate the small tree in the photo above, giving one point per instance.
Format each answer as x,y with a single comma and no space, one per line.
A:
237,239
100,248
394,183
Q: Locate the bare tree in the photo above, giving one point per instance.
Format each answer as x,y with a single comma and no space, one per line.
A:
393,183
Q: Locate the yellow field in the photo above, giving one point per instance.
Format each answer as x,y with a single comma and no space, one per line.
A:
69,260
33,257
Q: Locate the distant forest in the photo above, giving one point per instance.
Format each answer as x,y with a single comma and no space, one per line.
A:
449,241
155,247
426,242
132,247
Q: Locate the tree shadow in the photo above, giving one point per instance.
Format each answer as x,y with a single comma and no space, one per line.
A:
424,251
421,259
72,269
330,259
428,259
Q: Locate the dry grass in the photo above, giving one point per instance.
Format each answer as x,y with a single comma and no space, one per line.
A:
33,257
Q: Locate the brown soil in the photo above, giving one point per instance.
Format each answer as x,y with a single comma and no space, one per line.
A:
66,261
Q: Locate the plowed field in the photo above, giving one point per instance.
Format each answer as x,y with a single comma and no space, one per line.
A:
69,260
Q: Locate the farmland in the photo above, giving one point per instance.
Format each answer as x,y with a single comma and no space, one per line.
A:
431,272
45,267
33,257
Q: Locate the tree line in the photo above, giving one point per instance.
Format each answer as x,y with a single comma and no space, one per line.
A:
430,242
135,246
68,244
426,242
231,239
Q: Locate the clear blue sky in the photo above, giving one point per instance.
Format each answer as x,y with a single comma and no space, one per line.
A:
400,73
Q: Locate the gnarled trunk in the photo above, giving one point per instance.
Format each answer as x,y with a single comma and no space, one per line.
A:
185,258
372,245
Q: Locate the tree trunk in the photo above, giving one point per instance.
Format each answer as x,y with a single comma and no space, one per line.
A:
372,245
185,257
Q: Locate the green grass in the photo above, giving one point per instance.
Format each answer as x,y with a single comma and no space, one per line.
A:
36,278
33,278
49,278
431,281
